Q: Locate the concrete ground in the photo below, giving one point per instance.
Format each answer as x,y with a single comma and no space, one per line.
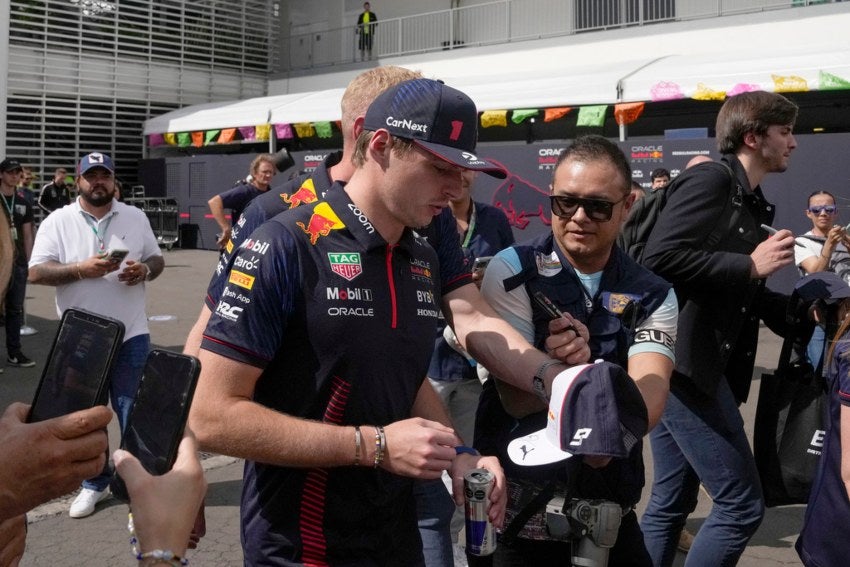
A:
174,300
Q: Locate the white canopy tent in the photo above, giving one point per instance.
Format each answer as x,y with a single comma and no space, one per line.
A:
559,80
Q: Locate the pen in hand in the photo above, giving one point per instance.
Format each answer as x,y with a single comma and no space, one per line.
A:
771,231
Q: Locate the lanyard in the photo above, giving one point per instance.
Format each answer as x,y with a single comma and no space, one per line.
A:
93,226
11,209
471,228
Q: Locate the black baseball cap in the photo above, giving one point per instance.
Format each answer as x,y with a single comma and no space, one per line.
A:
10,164
434,116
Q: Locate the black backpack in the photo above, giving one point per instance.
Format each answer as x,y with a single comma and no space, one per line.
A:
635,232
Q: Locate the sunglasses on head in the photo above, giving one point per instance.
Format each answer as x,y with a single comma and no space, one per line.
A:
599,210
818,209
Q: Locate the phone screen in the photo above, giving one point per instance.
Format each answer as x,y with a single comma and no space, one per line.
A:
155,425
78,365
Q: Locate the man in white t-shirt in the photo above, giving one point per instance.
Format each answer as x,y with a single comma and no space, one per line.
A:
71,252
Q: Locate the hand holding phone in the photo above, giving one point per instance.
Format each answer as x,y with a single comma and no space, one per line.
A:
156,422
79,363
116,255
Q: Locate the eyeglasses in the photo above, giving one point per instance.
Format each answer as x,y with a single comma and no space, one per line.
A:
599,210
818,209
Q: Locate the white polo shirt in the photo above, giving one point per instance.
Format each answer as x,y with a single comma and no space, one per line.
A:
67,236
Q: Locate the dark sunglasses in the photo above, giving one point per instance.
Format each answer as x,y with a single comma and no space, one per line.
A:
818,209
598,210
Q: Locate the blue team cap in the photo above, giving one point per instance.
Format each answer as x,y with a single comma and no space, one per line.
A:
827,286
595,409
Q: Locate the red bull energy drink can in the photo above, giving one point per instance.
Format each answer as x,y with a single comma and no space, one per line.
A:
480,533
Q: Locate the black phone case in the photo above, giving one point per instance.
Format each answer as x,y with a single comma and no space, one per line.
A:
91,336
185,383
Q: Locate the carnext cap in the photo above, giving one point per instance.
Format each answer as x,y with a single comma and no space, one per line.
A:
595,409
95,159
827,286
10,164
436,117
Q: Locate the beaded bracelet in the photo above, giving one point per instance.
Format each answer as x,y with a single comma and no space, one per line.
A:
79,272
154,557
380,445
358,449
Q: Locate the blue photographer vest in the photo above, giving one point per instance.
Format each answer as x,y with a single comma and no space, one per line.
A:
628,293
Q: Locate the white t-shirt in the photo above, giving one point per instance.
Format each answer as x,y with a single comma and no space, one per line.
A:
809,248
67,236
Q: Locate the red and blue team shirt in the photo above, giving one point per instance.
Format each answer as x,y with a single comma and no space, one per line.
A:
308,188
342,325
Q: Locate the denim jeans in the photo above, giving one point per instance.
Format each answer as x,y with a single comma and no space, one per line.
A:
815,350
15,296
123,383
702,440
434,509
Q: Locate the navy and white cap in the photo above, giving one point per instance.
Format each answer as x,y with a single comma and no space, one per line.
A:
436,117
95,159
595,409
827,286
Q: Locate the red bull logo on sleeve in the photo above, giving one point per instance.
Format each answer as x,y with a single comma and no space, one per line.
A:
321,223
305,194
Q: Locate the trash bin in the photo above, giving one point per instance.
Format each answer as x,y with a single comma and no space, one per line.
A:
189,235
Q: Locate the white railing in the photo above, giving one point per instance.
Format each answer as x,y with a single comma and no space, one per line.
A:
505,21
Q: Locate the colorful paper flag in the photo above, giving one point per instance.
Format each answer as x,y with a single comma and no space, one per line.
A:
247,132
262,131
324,129
227,135
494,118
628,112
521,114
551,114
283,131
304,129
592,115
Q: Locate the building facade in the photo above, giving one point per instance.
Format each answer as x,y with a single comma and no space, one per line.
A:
84,75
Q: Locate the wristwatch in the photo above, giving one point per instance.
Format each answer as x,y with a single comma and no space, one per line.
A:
538,383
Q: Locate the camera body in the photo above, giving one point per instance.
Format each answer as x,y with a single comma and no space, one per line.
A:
592,526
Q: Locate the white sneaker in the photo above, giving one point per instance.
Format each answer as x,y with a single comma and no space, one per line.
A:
85,502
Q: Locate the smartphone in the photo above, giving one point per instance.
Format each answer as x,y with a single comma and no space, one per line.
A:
78,366
480,263
156,421
546,304
116,255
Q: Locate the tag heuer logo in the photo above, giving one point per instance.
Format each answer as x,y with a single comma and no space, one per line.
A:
346,264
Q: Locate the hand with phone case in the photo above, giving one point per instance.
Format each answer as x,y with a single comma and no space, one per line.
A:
158,417
96,266
164,506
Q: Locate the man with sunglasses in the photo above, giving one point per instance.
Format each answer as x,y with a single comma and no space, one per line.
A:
824,248
630,315
722,295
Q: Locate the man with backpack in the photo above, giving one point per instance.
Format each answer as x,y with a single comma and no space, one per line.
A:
708,242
